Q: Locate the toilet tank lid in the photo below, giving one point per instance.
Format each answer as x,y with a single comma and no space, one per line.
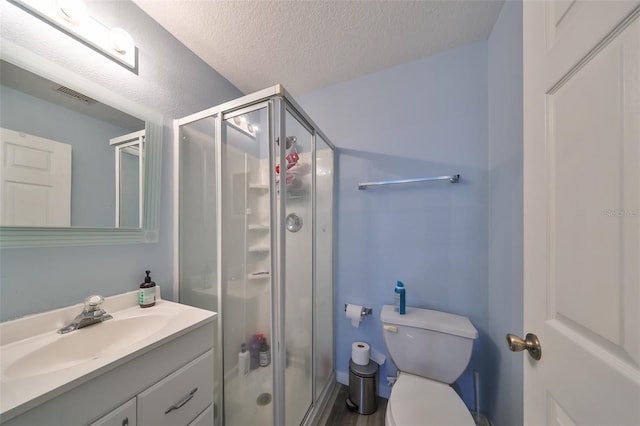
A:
430,320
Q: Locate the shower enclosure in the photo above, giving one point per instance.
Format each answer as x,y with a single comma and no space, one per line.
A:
254,231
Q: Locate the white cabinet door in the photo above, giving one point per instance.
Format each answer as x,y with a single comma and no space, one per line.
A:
35,181
124,415
582,211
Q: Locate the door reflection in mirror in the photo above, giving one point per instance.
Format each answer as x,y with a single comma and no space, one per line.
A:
35,180
129,182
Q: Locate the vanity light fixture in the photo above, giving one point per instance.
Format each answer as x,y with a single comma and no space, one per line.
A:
72,17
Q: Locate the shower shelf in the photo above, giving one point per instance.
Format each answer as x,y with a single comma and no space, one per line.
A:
259,227
258,276
259,186
258,249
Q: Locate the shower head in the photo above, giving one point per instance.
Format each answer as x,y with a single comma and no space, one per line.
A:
289,141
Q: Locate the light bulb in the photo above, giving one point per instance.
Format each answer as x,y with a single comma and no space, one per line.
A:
121,41
74,11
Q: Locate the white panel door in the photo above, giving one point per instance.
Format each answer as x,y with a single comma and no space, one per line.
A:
582,211
35,179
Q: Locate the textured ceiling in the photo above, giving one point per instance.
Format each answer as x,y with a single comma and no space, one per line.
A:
307,45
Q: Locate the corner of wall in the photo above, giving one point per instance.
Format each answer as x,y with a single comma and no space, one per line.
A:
505,212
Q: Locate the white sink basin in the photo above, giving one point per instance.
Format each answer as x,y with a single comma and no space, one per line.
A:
79,346
37,363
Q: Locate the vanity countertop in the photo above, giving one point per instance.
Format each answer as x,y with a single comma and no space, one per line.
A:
38,364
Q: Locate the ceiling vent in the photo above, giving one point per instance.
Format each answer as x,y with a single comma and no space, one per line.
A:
73,94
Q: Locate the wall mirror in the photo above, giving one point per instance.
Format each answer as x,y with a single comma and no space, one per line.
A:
80,164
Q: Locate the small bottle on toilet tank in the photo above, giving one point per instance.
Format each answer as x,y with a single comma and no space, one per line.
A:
399,298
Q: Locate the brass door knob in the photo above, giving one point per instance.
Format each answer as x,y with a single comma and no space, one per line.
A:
530,343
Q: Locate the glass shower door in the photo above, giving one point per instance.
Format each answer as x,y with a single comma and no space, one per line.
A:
198,223
246,267
298,283
323,267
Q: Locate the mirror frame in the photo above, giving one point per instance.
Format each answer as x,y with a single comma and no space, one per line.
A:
17,237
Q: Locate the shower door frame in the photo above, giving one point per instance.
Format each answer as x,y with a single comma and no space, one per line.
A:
279,102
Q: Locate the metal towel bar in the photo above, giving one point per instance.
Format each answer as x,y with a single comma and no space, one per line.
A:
451,178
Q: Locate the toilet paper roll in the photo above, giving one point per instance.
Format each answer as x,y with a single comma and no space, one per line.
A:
360,353
354,313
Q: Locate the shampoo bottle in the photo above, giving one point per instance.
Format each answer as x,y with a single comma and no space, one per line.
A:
243,360
254,353
400,298
147,293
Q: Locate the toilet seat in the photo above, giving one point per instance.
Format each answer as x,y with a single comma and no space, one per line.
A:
417,401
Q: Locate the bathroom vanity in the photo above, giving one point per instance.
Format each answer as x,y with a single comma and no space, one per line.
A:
150,366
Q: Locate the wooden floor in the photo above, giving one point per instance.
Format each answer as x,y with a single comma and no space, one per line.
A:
340,415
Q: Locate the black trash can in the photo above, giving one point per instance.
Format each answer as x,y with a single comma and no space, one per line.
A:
362,387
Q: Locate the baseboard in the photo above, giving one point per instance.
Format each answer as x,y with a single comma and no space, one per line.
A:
321,412
342,377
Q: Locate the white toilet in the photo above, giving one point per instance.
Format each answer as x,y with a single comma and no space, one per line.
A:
431,350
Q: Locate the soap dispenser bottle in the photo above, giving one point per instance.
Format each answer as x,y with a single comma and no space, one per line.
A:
147,293
243,360
399,298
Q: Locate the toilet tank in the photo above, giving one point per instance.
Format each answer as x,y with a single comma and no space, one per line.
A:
428,343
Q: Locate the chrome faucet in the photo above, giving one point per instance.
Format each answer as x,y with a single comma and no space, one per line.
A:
91,314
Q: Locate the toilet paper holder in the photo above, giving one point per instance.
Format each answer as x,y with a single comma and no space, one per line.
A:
365,311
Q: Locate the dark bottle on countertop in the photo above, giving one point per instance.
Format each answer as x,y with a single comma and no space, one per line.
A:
147,294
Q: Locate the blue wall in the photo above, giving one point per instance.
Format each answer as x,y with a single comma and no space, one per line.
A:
505,214
424,118
170,80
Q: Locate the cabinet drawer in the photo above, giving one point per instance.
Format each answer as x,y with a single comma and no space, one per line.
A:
179,398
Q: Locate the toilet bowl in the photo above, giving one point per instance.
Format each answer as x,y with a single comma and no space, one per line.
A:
416,401
431,350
